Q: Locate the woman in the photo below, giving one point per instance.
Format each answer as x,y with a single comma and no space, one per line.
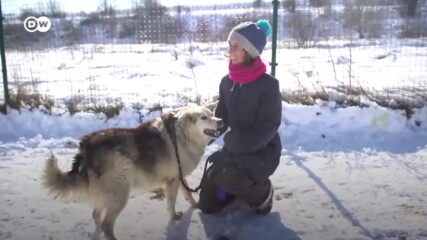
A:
250,105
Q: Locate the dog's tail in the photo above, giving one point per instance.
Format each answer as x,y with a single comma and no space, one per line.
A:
65,185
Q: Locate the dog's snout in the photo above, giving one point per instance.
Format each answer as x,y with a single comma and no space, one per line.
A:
220,123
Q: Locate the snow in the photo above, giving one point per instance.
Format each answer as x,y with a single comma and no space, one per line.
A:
345,173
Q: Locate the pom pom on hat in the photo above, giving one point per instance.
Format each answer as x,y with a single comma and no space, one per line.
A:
265,27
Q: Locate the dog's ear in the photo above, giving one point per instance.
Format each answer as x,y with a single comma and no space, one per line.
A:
175,112
211,106
175,115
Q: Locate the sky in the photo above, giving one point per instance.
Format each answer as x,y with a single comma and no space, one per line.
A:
92,5
345,173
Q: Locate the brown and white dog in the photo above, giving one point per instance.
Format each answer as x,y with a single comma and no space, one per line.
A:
111,162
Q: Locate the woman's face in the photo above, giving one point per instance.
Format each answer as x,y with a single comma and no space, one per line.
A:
235,53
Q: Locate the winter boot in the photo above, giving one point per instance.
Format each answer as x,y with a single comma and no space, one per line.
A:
265,207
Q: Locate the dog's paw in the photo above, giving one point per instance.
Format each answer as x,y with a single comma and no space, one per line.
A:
96,235
177,215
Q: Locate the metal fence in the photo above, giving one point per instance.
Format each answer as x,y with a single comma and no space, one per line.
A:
110,53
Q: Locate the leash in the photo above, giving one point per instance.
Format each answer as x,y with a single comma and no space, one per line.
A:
170,128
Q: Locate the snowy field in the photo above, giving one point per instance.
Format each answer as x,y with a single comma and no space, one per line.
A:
352,173
135,74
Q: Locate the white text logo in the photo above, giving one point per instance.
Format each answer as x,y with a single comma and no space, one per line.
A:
41,24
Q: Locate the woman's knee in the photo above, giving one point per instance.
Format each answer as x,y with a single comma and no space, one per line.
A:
208,201
230,177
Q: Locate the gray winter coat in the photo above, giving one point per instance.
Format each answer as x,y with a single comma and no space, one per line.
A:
253,111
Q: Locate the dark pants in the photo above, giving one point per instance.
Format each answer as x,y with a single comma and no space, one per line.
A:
236,183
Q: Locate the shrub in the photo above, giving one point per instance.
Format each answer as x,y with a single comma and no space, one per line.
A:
303,29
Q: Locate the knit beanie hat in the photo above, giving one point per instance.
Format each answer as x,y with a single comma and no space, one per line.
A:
251,36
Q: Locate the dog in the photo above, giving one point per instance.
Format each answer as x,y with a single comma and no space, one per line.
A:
111,162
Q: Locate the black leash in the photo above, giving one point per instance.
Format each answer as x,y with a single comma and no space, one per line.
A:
170,128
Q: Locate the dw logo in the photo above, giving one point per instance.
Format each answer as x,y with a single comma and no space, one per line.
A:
41,24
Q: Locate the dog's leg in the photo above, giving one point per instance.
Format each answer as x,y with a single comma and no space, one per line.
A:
117,201
97,218
171,194
111,215
188,196
96,235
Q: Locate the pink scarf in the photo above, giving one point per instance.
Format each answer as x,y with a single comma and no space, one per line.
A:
242,74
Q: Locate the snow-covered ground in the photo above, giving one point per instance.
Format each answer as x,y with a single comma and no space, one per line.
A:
348,173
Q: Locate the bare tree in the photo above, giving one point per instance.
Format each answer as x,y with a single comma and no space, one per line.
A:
152,18
203,30
178,9
149,8
319,3
366,20
412,7
408,8
303,29
106,8
257,4
353,16
289,5
54,9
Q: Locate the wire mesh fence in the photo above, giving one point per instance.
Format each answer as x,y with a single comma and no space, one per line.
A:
142,51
